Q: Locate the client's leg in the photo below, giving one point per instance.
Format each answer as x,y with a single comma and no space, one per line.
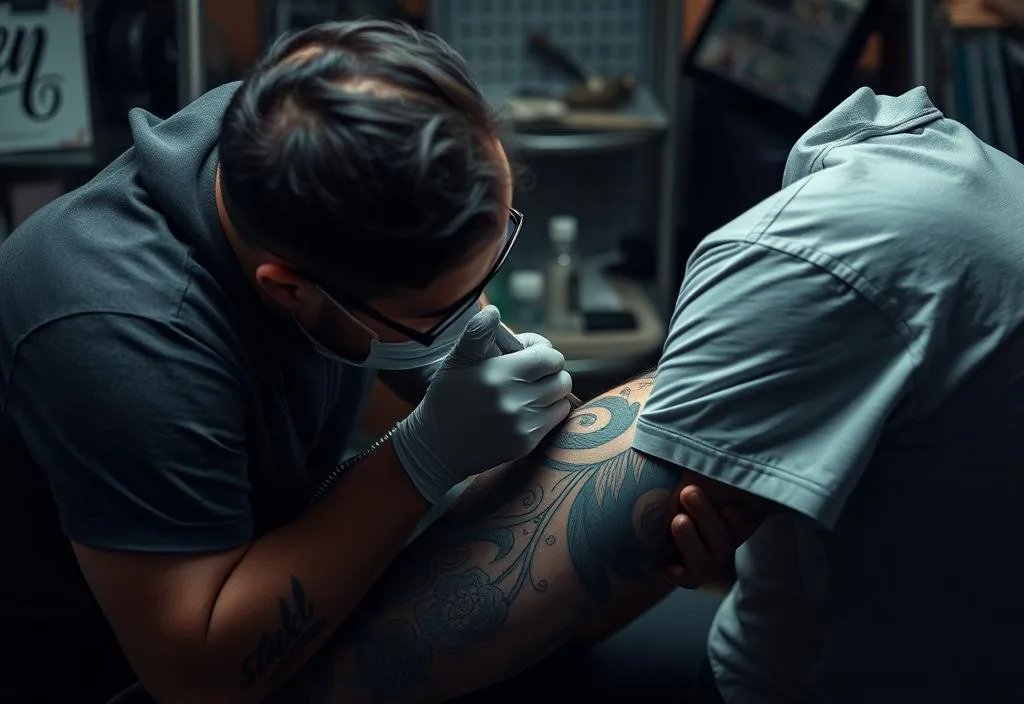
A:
530,556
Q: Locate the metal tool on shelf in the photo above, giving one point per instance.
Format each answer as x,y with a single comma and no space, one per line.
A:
591,90
551,115
591,103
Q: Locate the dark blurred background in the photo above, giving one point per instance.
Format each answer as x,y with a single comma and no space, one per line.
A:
642,124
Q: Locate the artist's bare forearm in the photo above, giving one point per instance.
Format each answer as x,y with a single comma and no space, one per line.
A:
515,569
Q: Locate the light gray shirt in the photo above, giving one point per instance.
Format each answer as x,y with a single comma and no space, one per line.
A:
852,349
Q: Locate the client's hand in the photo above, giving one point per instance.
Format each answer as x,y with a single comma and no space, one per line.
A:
706,538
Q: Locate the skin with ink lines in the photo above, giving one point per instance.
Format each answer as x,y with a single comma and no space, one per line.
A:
300,624
532,552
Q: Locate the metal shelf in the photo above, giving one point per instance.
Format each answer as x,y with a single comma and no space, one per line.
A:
607,351
570,143
644,108
611,351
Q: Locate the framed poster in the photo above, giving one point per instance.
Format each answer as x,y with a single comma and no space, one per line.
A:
788,58
44,92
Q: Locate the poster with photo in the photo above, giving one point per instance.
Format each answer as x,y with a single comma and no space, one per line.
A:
784,50
44,95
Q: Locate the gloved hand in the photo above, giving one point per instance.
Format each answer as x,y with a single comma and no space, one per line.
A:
482,411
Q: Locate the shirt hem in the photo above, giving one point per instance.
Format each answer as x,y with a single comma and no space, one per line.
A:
181,538
784,488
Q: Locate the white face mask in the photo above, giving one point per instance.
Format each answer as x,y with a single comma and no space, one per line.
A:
394,356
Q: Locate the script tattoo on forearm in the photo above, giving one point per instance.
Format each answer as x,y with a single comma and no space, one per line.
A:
276,651
586,494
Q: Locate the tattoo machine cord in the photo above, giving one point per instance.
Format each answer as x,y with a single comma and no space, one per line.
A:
505,342
133,694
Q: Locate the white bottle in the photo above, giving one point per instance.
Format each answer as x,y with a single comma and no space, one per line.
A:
526,295
562,311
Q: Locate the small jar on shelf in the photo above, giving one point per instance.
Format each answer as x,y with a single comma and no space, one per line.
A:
526,298
562,280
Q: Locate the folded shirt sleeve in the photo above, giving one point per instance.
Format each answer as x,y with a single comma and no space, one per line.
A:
777,378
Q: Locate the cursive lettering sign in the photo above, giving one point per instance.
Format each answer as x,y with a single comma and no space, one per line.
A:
277,649
22,51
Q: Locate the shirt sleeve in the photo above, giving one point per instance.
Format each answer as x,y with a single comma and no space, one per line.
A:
778,377
140,430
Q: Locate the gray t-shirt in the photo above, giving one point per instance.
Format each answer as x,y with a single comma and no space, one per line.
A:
852,348
148,400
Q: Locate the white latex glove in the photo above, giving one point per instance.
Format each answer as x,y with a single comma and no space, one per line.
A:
482,411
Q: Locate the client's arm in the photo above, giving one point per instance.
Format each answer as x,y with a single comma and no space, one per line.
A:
531,554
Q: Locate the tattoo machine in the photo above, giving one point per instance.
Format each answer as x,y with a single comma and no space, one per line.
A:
506,342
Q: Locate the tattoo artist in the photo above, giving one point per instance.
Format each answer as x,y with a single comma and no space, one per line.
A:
187,341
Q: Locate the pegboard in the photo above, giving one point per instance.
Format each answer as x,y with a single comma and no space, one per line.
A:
610,36
613,194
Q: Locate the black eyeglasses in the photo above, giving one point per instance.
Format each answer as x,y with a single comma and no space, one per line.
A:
450,313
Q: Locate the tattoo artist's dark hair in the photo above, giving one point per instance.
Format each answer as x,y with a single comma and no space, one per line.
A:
362,152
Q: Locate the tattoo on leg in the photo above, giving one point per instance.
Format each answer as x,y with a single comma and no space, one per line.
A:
616,505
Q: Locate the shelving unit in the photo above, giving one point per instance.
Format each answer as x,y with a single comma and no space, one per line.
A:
616,182
620,352
644,107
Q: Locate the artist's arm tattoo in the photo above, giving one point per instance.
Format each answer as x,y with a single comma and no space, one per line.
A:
275,653
517,566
